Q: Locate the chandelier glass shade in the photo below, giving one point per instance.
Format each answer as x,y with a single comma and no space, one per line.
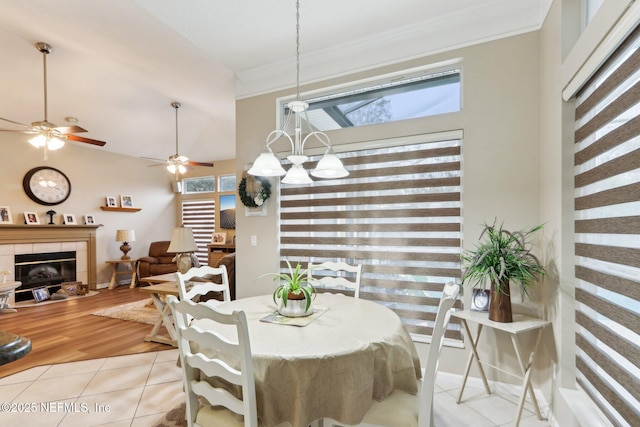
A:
267,164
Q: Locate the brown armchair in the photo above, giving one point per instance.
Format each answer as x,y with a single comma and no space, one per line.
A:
159,260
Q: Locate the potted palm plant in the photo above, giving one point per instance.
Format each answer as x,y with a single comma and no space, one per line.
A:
295,292
503,257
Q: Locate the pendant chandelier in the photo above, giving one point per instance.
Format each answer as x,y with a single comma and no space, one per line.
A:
267,164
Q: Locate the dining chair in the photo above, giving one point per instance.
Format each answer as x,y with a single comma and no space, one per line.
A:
207,404
401,409
337,281
202,282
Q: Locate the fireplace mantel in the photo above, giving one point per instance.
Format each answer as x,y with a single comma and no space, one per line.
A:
23,233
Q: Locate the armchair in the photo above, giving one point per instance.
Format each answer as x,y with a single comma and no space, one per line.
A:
158,262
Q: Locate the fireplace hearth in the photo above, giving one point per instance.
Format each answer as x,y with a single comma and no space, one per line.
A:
43,270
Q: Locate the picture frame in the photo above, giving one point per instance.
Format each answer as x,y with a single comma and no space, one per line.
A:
5,215
218,238
227,211
259,211
126,202
71,288
480,299
89,220
111,202
31,218
69,219
41,294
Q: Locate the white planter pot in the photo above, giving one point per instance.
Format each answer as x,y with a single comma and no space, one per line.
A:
295,308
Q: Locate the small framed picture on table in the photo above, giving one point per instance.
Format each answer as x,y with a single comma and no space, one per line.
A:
69,219
480,299
41,294
31,218
218,238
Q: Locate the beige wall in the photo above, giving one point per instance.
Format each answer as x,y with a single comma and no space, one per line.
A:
500,119
94,174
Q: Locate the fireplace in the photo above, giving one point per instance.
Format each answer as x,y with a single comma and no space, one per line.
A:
43,270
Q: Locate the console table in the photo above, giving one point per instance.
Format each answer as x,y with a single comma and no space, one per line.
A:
521,324
216,252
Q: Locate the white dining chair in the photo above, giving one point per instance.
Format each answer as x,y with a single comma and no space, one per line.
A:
337,279
209,405
190,289
401,409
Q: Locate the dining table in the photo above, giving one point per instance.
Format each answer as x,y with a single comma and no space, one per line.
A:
328,365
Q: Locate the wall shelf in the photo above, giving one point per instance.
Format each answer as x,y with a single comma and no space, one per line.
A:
110,208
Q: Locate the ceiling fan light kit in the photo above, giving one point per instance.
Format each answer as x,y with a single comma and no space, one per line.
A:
267,164
48,135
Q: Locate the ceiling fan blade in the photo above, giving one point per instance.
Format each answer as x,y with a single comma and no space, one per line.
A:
85,140
15,123
70,129
209,165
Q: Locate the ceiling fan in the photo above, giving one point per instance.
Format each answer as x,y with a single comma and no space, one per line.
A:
178,164
47,134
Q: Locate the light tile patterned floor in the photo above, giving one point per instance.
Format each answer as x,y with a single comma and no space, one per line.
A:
136,390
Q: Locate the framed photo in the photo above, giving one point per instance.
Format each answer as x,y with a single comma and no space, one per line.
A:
126,202
69,219
111,202
218,238
228,212
31,218
5,215
89,219
41,294
71,288
480,299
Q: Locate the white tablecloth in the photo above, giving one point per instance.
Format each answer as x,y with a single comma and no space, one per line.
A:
357,350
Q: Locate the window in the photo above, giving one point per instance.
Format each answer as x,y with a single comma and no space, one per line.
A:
203,184
607,227
408,98
398,213
226,183
200,215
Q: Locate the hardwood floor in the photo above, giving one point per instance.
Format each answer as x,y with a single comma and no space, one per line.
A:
66,331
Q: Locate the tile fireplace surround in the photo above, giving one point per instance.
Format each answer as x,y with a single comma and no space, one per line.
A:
28,239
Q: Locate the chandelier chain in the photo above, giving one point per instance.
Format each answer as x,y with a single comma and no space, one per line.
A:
298,50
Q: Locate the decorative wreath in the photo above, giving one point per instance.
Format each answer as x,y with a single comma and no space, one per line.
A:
258,191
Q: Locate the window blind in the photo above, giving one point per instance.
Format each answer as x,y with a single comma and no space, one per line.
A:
200,215
398,213
607,227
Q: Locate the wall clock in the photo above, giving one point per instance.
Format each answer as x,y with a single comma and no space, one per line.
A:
46,185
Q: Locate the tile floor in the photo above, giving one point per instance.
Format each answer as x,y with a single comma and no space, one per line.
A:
136,390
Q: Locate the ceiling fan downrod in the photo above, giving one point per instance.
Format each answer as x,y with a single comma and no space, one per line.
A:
45,49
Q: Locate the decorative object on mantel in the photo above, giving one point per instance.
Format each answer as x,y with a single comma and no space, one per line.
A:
125,236
295,292
504,257
253,191
69,219
5,215
51,213
183,245
267,164
31,218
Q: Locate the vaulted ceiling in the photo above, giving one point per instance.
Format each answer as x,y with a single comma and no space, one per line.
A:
118,64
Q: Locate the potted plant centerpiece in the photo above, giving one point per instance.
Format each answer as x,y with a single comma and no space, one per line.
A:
503,257
295,292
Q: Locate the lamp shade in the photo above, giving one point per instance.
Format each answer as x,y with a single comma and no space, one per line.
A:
267,164
330,167
182,241
125,236
297,175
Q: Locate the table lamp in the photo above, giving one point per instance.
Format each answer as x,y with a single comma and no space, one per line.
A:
125,236
182,244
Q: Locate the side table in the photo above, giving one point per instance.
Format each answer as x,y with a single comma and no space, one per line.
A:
114,274
520,325
6,288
